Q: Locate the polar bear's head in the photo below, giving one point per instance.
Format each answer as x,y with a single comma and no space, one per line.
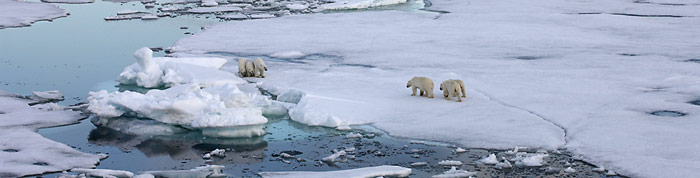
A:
408,84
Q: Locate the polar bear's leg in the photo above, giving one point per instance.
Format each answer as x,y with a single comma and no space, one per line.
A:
262,73
421,91
464,94
429,92
414,91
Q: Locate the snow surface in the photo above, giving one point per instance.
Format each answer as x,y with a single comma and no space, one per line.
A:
19,13
367,172
543,74
150,72
25,152
185,105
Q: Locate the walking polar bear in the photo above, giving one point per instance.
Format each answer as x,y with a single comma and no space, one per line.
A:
453,88
241,67
260,68
255,68
423,83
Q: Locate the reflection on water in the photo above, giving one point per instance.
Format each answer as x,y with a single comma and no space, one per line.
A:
184,146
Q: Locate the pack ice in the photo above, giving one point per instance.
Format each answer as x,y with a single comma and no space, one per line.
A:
23,151
583,75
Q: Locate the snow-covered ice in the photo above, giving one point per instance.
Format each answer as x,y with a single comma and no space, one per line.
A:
367,172
491,159
209,3
48,95
336,154
543,74
450,163
20,13
217,9
25,152
185,105
530,159
150,72
570,170
455,173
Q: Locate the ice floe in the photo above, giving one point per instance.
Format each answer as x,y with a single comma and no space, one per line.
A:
455,173
20,13
450,163
25,152
367,172
491,159
186,105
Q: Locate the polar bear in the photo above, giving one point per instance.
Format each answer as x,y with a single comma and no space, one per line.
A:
249,68
423,83
260,68
451,88
461,85
241,67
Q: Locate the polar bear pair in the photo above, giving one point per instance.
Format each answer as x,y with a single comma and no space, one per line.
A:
450,88
255,68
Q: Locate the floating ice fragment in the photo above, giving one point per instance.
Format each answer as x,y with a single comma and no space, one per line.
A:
288,54
334,156
418,164
209,3
460,150
600,169
491,159
450,163
504,164
353,135
48,95
455,173
127,12
570,170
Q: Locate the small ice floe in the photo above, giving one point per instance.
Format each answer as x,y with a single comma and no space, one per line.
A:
505,164
262,16
514,151
216,152
334,156
417,142
343,127
217,9
287,156
233,16
491,159
209,3
69,1
48,95
570,170
353,135
127,12
377,171
610,173
170,9
103,173
455,173
530,160
288,54
149,17
297,7
450,163
460,150
419,164
600,169
209,171
350,149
